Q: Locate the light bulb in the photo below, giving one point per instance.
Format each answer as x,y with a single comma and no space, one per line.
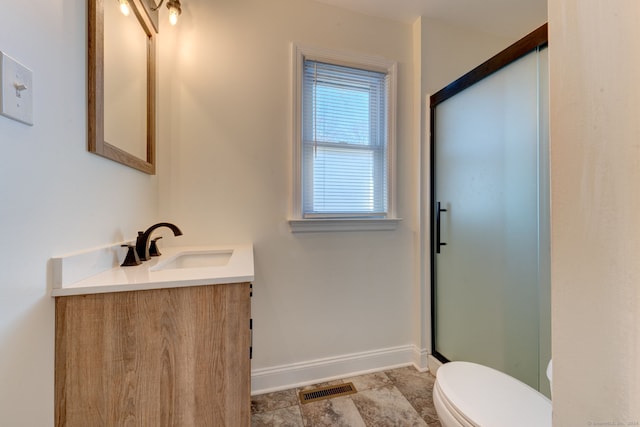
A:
124,7
173,15
174,11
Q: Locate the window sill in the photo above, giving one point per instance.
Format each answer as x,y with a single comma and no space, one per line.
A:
351,224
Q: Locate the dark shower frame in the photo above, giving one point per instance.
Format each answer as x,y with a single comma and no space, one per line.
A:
531,42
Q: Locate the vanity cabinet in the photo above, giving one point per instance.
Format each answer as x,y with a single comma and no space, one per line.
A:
162,357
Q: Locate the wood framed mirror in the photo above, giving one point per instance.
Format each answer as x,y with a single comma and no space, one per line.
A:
122,80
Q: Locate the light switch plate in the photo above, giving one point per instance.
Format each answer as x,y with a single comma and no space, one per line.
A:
16,91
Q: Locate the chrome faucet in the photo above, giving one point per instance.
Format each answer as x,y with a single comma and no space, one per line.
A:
142,242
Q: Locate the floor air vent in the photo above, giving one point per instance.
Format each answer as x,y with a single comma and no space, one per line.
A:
327,392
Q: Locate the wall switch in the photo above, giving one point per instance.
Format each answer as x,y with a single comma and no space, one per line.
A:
16,90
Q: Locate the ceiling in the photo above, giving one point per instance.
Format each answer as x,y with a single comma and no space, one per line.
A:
509,18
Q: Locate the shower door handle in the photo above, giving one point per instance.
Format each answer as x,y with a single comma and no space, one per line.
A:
438,241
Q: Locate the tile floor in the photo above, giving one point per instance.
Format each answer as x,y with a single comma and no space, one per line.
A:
398,397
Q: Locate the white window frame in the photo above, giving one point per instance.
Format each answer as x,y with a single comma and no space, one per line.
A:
297,222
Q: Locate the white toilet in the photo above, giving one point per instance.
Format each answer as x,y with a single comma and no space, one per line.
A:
471,395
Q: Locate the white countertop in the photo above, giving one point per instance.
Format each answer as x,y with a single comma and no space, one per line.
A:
107,277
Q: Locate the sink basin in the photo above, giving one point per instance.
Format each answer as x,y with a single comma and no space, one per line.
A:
196,259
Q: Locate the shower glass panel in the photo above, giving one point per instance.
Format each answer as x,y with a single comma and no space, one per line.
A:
490,161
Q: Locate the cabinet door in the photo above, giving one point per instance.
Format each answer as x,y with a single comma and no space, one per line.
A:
167,357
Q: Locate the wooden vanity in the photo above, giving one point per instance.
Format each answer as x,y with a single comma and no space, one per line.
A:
171,356
165,357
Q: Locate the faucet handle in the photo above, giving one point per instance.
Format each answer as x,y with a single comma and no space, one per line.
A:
132,258
153,247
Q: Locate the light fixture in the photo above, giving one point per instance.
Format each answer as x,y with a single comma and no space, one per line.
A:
124,7
175,10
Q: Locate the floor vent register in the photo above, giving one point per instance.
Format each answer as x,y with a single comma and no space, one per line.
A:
327,392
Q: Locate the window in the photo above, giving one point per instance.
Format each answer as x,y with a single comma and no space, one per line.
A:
343,142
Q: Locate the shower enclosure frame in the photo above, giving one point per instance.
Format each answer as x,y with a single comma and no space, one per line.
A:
536,40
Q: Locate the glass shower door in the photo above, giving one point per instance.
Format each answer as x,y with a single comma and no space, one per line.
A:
487,182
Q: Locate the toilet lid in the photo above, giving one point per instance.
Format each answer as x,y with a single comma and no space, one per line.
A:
490,398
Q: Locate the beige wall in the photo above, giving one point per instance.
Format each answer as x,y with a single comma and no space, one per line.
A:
595,171
450,51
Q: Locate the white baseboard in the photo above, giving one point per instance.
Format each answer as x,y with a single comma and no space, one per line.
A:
421,359
434,364
267,380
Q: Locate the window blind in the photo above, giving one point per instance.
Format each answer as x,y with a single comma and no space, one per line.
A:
344,141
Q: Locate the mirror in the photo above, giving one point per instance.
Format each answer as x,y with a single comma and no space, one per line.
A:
122,68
